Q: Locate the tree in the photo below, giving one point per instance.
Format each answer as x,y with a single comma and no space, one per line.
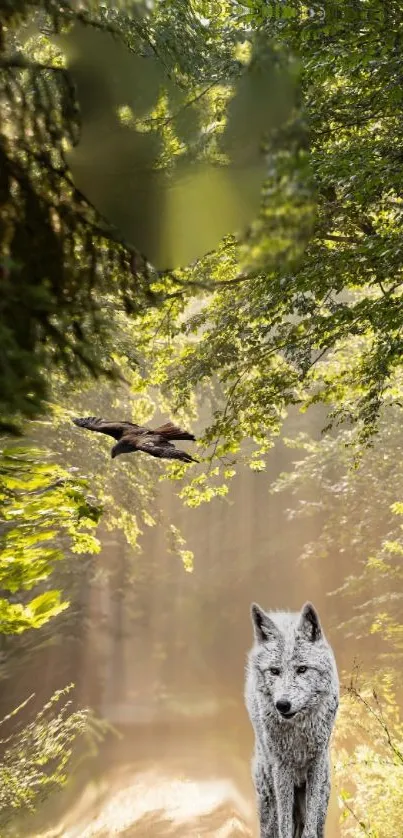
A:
358,521
327,327
88,228
304,306
47,515
59,259
43,509
369,768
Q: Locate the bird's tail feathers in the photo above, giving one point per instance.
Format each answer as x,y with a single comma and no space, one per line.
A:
171,431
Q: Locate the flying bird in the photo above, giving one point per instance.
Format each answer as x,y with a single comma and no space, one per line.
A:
130,437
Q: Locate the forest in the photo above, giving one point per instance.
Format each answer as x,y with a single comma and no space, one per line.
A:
201,219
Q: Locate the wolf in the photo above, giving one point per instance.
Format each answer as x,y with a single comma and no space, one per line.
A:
292,696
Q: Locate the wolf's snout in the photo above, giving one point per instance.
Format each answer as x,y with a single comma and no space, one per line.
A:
283,706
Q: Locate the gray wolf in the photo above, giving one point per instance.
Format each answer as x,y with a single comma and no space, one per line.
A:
292,696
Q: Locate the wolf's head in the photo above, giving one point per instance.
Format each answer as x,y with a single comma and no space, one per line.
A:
293,661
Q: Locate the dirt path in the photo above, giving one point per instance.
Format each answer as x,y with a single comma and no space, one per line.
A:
156,805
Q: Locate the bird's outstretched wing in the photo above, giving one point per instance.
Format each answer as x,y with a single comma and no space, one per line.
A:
171,431
114,429
165,450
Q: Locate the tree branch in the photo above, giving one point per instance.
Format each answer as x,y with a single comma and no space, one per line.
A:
335,238
18,62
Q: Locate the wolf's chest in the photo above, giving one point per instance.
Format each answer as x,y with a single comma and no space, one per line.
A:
297,746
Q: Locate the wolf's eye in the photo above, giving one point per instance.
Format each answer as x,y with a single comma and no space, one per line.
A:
301,670
274,670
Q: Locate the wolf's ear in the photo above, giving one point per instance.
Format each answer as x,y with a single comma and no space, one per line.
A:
309,623
263,626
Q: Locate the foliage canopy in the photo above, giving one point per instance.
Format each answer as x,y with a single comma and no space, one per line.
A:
43,509
325,327
304,307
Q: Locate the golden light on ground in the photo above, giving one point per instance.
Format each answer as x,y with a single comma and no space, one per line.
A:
156,805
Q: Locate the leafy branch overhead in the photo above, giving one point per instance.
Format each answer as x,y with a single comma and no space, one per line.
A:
44,510
171,177
58,259
326,326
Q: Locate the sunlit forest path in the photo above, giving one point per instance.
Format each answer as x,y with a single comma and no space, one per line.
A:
201,217
162,659
165,800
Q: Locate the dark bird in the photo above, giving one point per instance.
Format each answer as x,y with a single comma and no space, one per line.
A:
131,437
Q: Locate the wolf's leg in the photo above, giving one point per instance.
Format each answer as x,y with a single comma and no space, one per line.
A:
267,817
284,792
265,801
324,804
317,797
299,811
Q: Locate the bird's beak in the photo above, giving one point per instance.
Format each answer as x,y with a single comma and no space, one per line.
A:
113,454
